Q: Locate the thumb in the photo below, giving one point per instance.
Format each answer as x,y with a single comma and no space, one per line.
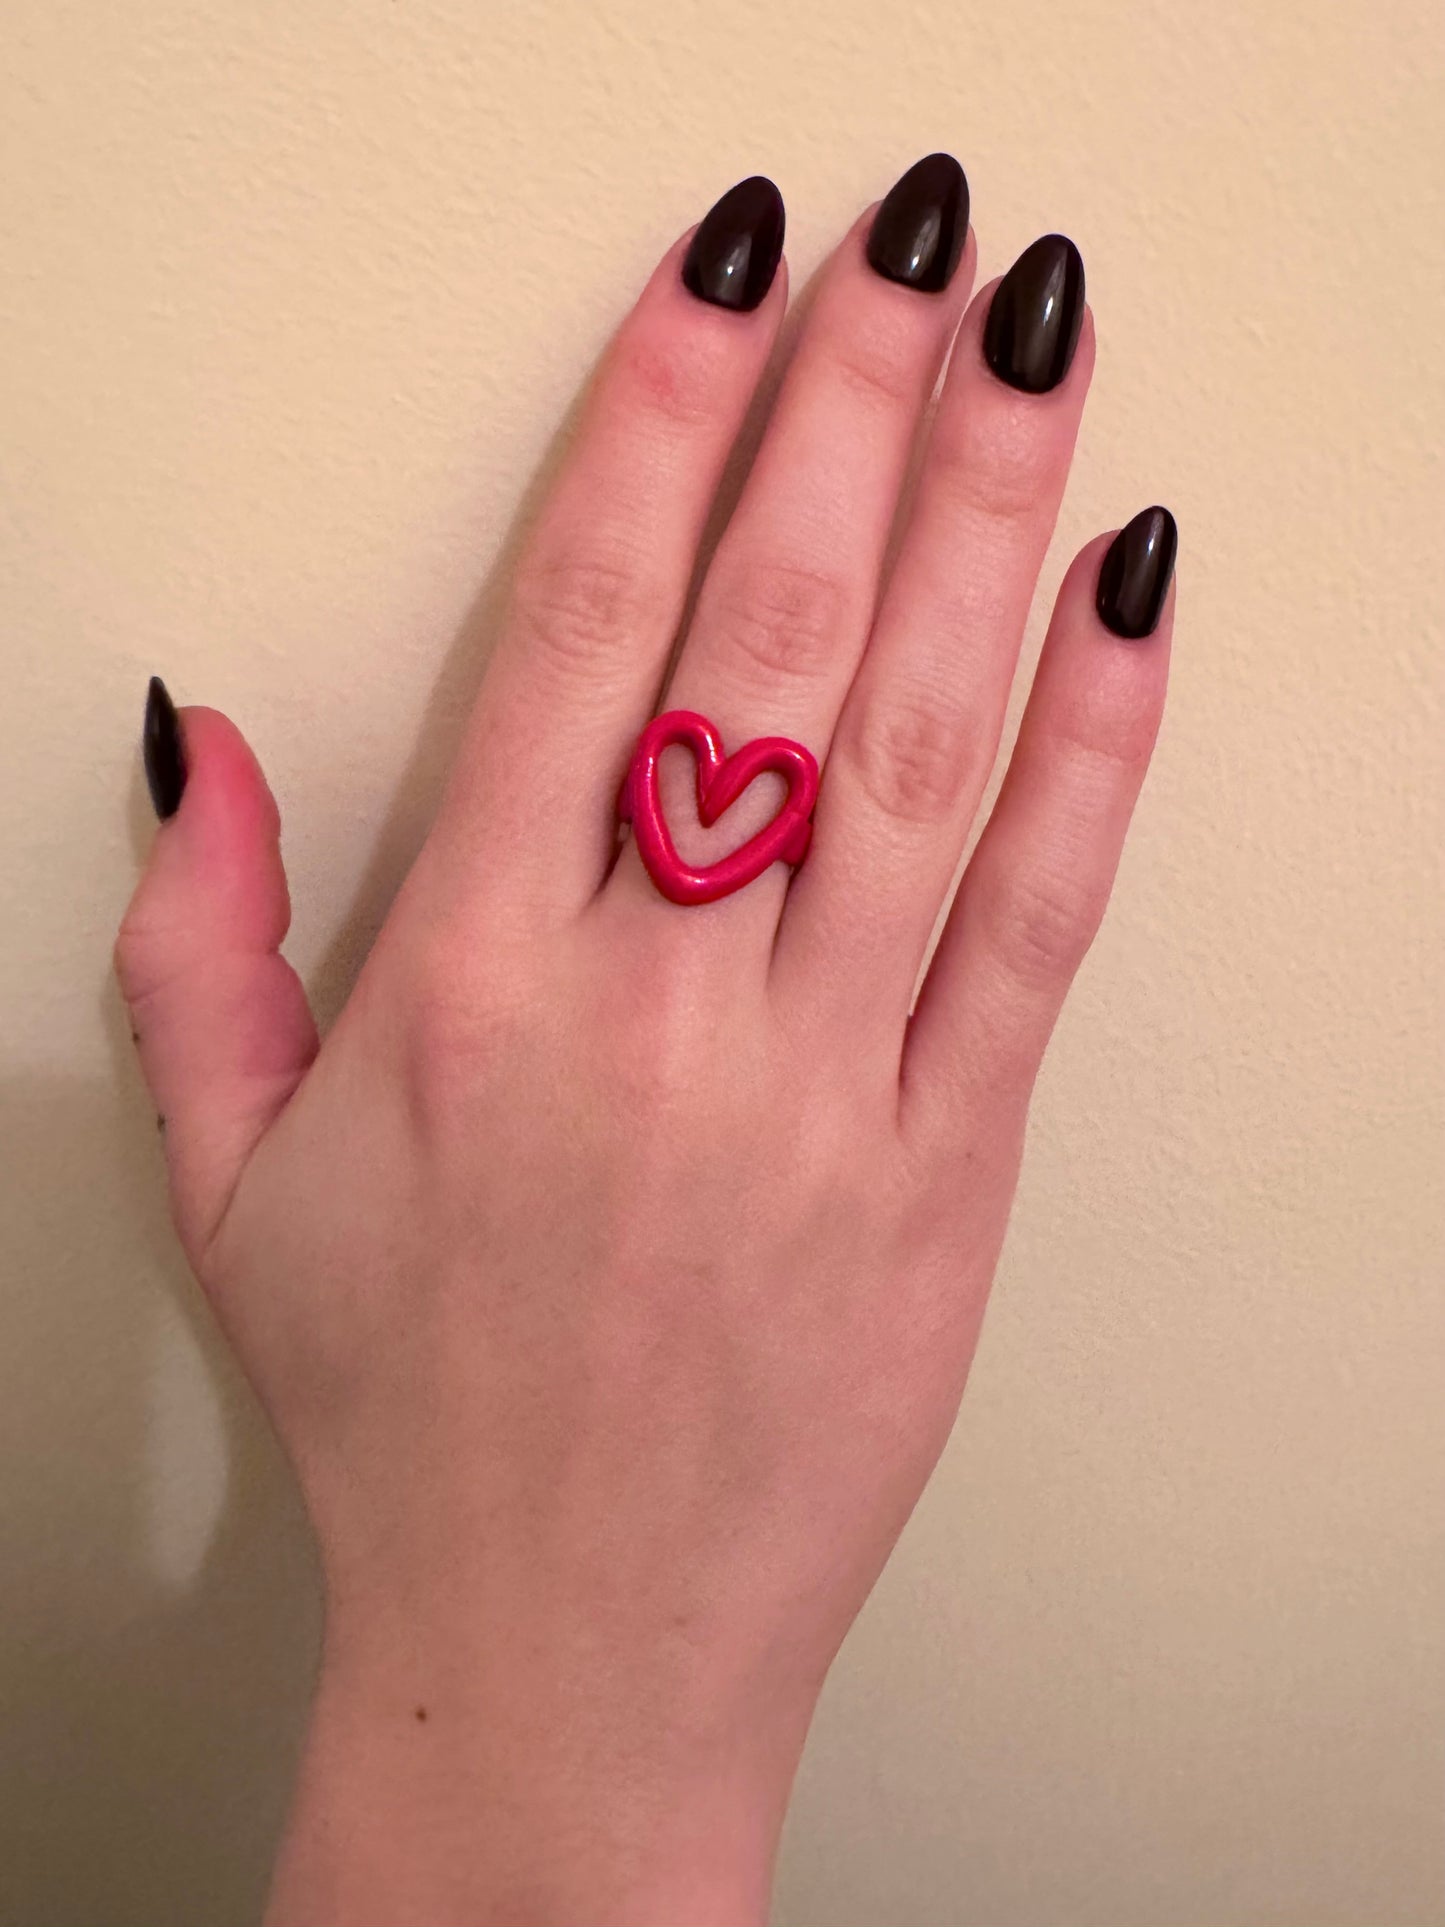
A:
220,1020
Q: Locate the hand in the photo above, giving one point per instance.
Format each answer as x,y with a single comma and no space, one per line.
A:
612,1272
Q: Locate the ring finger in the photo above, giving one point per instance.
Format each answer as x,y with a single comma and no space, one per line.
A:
919,732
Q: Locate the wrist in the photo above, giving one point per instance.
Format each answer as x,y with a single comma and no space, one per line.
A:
457,1778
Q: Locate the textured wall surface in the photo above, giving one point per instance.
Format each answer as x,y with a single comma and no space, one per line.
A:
293,299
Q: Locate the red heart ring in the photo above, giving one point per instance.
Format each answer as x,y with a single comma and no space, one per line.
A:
720,781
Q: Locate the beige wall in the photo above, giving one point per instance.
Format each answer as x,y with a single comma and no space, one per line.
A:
294,294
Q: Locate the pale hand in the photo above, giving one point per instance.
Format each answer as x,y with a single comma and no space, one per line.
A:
612,1273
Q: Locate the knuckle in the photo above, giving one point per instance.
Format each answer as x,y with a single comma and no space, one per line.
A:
1040,926
911,756
999,471
136,959
579,608
677,378
1108,738
784,618
874,369
125,958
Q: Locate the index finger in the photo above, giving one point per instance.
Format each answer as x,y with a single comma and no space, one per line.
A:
600,587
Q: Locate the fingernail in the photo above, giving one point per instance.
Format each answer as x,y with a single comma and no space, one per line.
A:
735,252
918,233
165,756
1035,315
1135,575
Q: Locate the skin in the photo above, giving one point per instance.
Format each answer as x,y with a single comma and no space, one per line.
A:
612,1272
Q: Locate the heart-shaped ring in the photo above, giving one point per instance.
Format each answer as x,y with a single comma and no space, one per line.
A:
720,781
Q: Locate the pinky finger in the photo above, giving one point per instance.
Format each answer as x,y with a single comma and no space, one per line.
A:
1037,885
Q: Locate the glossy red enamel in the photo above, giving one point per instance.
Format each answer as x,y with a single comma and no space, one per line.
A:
721,780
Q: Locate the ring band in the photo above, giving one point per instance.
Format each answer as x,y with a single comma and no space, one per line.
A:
721,780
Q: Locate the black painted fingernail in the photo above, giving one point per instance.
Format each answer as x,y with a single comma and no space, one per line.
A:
1035,315
918,233
165,755
735,252
1135,574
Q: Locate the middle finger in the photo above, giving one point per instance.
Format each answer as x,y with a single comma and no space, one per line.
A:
788,598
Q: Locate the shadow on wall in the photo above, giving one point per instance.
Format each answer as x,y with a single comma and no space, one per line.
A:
149,1725
151,1718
